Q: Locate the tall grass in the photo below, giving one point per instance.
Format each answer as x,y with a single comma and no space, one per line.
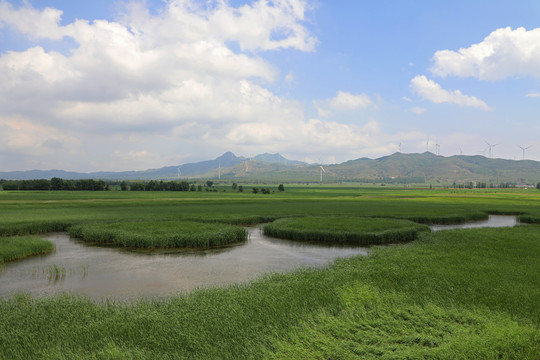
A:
19,247
360,231
32,227
461,294
160,234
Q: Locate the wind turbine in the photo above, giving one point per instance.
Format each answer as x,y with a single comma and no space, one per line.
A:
219,172
427,144
322,170
490,146
460,151
524,148
178,172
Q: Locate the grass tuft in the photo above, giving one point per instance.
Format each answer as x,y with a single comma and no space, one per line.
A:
19,247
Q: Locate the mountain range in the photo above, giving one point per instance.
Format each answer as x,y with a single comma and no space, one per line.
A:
396,168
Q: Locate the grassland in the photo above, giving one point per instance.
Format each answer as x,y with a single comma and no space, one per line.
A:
363,231
20,247
160,234
461,294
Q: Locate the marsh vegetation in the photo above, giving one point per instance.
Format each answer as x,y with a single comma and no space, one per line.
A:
471,293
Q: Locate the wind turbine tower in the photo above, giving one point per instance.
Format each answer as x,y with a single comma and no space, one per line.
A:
178,172
523,149
490,146
321,171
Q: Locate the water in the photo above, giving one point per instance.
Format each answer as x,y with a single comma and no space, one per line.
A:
492,221
106,272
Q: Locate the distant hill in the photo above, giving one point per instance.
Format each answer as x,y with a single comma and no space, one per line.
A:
395,168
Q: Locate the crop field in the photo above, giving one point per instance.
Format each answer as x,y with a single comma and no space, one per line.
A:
456,294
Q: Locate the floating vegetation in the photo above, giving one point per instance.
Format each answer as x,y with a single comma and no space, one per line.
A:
160,234
355,230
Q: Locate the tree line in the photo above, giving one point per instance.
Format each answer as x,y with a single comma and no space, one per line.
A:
56,184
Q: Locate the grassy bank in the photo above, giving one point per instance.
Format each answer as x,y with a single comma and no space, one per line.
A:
160,234
457,294
353,230
20,247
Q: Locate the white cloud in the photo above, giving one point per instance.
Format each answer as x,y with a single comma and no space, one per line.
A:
503,53
343,101
172,76
536,95
430,90
418,110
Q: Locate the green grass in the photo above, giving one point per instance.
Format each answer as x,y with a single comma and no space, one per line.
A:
354,230
20,247
458,294
160,234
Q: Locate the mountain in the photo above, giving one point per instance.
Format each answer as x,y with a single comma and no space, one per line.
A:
395,168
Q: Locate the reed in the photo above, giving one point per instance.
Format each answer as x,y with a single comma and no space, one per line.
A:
19,247
352,230
160,234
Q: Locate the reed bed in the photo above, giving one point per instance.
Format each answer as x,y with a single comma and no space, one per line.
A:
33,227
460,294
20,247
352,230
160,234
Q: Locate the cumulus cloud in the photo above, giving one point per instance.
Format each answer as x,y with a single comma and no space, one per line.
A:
173,75
536,95
430,90
343,101
503,53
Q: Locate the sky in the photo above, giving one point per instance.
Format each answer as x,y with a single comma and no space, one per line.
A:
133,85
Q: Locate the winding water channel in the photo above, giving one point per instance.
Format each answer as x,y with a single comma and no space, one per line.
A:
106,272
99,272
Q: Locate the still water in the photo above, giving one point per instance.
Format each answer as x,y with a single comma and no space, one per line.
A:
492,221
106,272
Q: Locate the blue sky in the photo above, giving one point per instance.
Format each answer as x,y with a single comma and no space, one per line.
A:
123,85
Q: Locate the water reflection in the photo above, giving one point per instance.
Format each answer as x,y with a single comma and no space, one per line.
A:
492,221
99,272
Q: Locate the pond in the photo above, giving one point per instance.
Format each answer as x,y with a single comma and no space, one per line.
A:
107,272
114,273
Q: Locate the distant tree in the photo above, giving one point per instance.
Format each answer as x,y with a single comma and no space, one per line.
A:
538,186
265,190
199,187
281,187
234,185
241,188
137,187
10,185
255,190
209,183
192,187
57,184
123,186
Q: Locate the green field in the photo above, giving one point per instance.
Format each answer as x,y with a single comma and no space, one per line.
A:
460,294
